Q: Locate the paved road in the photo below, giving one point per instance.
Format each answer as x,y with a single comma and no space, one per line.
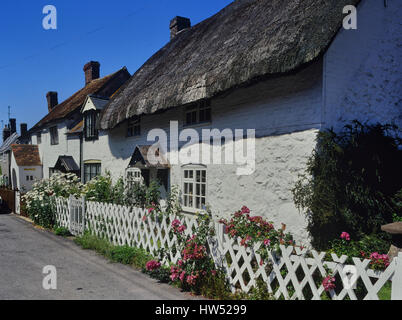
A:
81,274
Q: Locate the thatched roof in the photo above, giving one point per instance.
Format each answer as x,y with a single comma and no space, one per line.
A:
105,86
246,41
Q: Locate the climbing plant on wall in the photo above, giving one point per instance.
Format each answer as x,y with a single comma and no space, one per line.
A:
351,181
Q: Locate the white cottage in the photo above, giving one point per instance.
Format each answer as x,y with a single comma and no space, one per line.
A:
283,69
260,74
26,167
59,134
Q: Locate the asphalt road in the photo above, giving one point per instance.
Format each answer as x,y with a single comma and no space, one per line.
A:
81,274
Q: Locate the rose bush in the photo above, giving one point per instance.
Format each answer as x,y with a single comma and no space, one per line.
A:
253,229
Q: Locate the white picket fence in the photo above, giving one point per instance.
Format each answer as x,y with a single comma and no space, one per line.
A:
293,274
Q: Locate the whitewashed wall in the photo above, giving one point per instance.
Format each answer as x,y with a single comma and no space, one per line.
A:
286,113
359,78
68,145
363,68
21,172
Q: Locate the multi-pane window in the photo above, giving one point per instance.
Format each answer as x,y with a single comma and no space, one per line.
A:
133,127
54,135
198,113
91,170
39,138
90,130
133,176
194,188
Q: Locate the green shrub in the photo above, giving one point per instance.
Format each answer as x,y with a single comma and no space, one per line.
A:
162,274
124,255
62,232
350,182
91,242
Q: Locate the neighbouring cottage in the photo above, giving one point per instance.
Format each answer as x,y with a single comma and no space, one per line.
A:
59,134
10,137
26,167
285,69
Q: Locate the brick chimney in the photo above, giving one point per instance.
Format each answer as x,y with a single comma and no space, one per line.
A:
23,129
13,126
91,70
52,101
6,133
178,24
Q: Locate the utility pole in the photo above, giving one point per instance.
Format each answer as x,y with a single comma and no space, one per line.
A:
9,113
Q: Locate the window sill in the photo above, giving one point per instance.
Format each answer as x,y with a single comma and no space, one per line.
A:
192,210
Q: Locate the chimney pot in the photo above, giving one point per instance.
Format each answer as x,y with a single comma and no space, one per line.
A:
178,24
52,101
91,70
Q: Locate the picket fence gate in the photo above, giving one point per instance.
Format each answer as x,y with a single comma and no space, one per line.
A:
293,273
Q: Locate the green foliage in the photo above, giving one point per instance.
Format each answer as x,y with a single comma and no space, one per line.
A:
89,241
253,229
397,200
122,254
350,182
260,292
162,274
62,232
101,189
216,286
136,195
39,203
361,248
152,195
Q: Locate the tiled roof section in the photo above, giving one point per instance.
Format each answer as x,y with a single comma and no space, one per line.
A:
77,128
105,86
26,154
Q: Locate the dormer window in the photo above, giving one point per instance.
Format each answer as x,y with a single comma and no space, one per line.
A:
133,127
90,119
198,113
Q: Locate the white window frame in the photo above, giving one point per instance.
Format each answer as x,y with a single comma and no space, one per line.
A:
192,195
133,176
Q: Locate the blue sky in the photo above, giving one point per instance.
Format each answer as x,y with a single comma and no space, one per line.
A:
116,33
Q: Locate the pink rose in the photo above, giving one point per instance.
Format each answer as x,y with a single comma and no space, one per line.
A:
345,235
